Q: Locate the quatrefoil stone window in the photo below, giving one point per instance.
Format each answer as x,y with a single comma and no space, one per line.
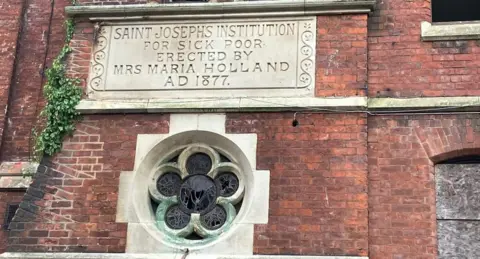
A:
196,193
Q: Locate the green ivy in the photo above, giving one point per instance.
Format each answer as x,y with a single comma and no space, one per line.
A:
62,94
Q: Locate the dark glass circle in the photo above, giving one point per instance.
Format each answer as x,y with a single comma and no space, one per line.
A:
199,163
227,184
198,194
214,219
176,218
168,184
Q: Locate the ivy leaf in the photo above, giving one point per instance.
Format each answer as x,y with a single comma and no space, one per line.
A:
62,94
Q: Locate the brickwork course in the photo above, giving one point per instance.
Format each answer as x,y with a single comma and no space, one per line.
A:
353,184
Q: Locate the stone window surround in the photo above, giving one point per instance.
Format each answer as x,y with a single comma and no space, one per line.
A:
134,207
450,31
180,169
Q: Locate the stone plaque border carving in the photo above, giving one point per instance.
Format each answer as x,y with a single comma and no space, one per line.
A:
305,79
99,58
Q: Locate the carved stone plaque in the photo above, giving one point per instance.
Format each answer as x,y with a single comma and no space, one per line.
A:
207,58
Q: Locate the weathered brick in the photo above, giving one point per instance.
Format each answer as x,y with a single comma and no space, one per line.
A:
402,189
5,199
38,233
302,167
401,65
319,203
341,56
10,26
77,187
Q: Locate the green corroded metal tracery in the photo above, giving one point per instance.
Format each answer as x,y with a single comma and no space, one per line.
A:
196,190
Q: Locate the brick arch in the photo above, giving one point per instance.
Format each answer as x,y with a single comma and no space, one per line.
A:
456,153
402,197
452,138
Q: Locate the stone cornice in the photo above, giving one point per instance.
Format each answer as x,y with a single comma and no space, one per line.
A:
163,256
221,10
221,105
338,104
425,104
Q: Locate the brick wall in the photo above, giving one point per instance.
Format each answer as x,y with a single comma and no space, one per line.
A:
318,170
79,59
41,38
341,55
401,151
401,65
318,185
10,25
71,204
7,197
318,189
413,68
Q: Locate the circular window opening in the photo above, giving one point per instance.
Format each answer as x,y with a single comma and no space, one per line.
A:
196,193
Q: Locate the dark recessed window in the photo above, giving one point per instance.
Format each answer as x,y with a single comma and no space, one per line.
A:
455,11
9,214
472,159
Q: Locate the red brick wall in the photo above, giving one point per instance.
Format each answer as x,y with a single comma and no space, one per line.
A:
5,199
71,204
318,189
79,59
318,185
401,65
401,151
10,25
318,170
40,41
341,55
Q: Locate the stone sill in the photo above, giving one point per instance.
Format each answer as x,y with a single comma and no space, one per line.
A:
163,256
350,104
450,31
221,10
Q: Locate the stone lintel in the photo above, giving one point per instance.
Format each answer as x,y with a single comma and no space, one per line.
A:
450,31
221,10
156,256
